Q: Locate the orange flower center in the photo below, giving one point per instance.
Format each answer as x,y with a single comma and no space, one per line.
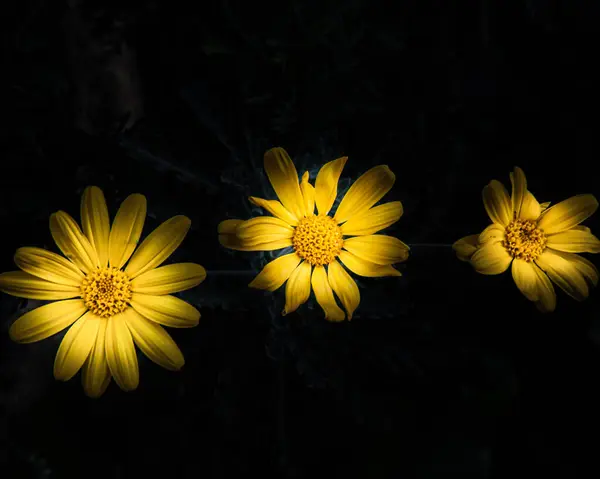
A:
318,239
524,240
106,292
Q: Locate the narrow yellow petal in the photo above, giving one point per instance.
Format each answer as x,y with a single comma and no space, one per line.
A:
166,310
263,229
547,296
324,295
275,273
47,320
297,288
491,258
71,241
48,266
564,273
365,192
530,209
284,179
465,247
154,341
344,286
526,278
519,190
374,219
75,347
276,209
365,268
227,236
120,353
25,285
95,375
168,279
308,194
568,213
158,246
95,222
126,230
326,184
574,241
544,206
493,233
585,267
497,203
378,249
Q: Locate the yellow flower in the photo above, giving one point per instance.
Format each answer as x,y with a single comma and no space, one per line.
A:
319,240
539,242
109,295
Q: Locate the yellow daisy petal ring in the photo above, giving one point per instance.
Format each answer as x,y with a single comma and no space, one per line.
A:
321,242
539,243
111,292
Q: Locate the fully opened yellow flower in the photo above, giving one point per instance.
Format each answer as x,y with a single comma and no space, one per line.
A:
320,240
111,294
537,242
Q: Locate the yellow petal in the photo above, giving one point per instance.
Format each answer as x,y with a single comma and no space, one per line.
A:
166,310
227,236
491,258
95,375
564,273
308,194
275,273
344,286
574,241
585,267
275,208
519,190
263,230
48,265
568,213
47,320
126,230
95,222
374,219
75,347
326,184
544,206
168,279
154,341
120,353
530,209
497,203
526,278
378,249
158,246
547,296
365,192
465,247
25,285
71,241
362,267
284,179
324,295
493,233
297,289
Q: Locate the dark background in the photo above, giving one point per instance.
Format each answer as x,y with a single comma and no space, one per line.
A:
442,373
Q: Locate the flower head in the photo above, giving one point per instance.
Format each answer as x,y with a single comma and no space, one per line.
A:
320,242
109,292
538,242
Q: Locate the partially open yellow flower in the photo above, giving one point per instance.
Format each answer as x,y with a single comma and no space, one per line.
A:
320,240
539,242
110,295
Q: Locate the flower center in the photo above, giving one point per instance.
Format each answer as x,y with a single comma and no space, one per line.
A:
524,240
318,239
106,292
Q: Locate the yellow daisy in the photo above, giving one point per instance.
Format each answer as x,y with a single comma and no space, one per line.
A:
110,295
320,240
536,241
